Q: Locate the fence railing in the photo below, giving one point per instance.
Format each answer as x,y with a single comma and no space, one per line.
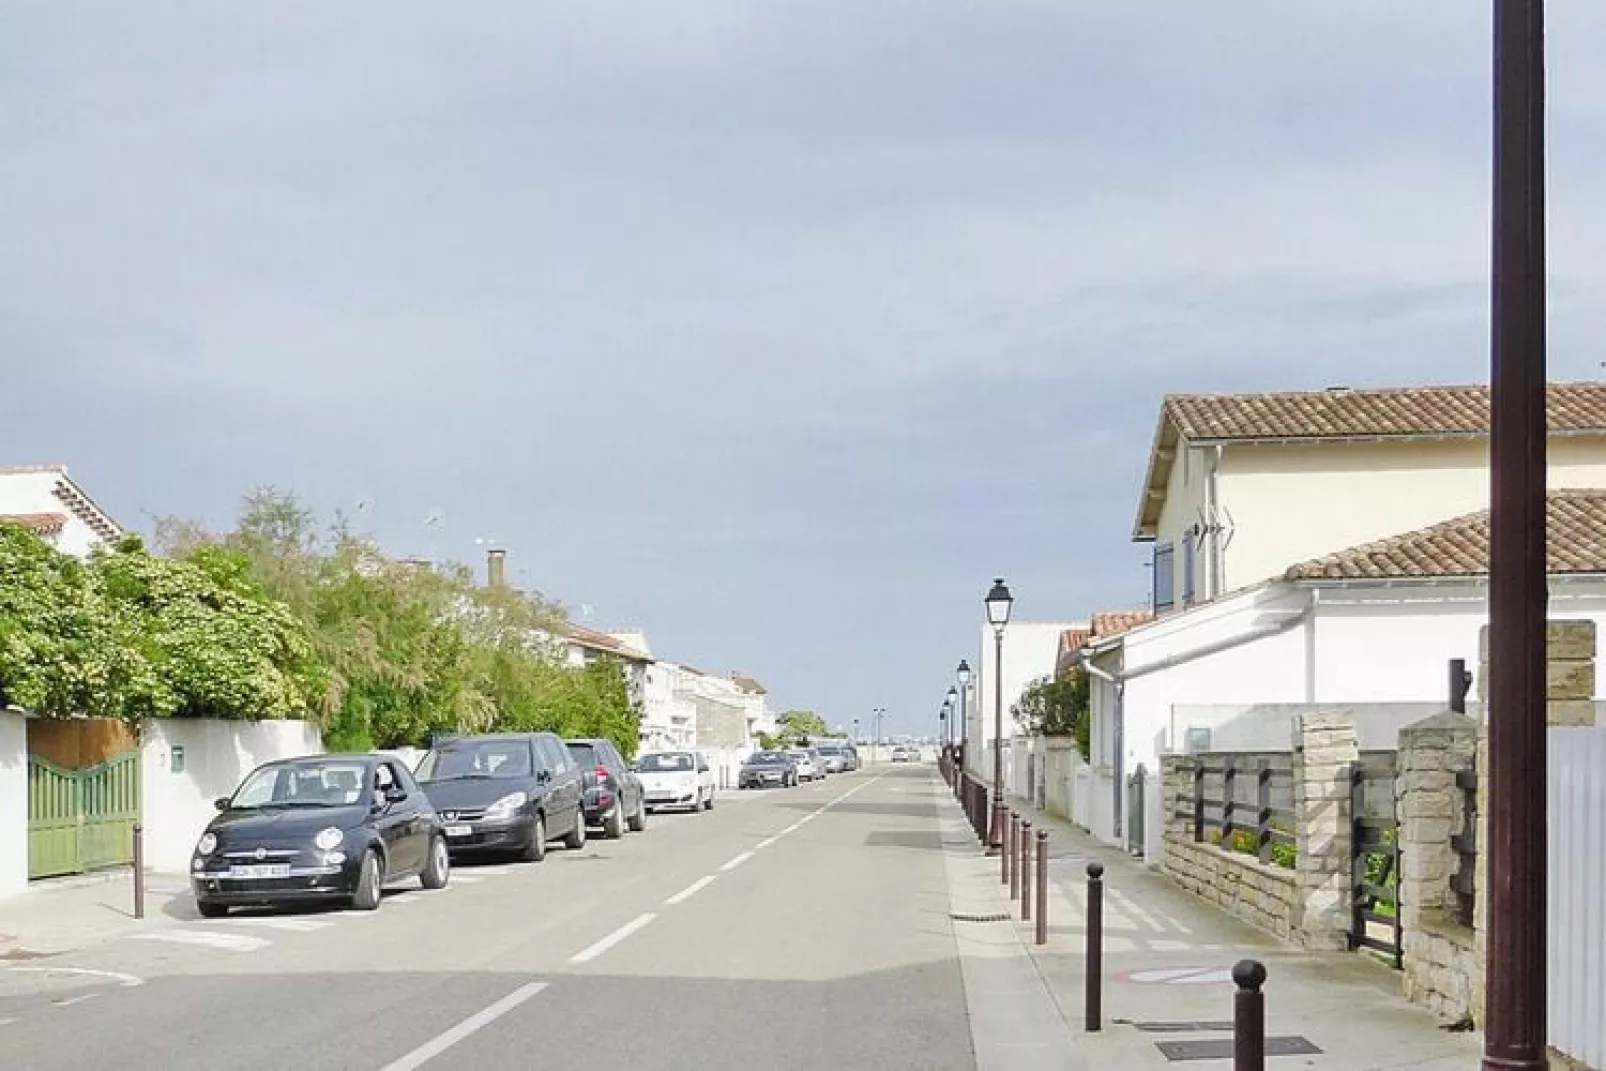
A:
1235,805
1375,843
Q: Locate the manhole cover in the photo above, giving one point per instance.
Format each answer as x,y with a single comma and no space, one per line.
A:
979,918
1221,1048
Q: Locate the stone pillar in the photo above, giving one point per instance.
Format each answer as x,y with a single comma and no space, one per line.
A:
1570,672
1177,791
1325,748
1429,802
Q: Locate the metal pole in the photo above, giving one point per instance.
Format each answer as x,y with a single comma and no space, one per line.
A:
139,871
996,842
1023,867
1042,886
1249,1016
1007,856
1095,948
1514,1031
964,728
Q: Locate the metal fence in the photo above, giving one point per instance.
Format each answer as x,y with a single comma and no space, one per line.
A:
1375,844
1577,922
1245,804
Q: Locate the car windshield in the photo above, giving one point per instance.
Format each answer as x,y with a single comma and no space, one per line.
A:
667,762
463,760
767,758
317,783
798,754
584,754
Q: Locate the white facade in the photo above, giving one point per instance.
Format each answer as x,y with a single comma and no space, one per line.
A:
1283,503
668,718
176,806
46,490
13,803
1031,651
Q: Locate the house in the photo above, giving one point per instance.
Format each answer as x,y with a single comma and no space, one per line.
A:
1239,485
760,719
45,499
1031,652
1097,807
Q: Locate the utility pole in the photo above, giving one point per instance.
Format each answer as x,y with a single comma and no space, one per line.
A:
1515,1002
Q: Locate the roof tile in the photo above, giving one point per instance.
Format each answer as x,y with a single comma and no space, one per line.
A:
42,523
1107,623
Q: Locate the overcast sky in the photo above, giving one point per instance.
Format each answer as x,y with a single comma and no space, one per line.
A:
775,328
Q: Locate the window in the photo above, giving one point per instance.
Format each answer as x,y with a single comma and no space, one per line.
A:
1189,543
1164,577
555,754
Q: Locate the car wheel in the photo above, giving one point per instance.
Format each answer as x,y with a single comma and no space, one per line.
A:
535,851
577,836
708,804
439,868
614,826
638,818
370,882
209,910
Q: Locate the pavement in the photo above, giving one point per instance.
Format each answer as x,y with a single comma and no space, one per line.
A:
799,928
1167,964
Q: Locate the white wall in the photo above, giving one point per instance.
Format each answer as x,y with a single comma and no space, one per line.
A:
217,755
1031,650
33,490
13,803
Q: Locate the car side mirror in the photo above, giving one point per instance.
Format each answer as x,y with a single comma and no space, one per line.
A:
221,803
543,777
395,795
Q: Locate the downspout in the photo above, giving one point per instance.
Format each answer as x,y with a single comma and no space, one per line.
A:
1213,554
1310,645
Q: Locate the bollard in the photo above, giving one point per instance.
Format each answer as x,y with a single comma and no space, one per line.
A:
139,871
1095,947
1023,866
1249,1016
1007,855
1042,886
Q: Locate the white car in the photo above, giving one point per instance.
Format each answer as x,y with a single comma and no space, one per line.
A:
905,753
806,770
676,779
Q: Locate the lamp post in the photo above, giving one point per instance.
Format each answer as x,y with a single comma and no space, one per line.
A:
999,602
948,705
963,674
875,733
857,739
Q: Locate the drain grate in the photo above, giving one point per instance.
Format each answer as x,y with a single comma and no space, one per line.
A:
1221,1048
960,917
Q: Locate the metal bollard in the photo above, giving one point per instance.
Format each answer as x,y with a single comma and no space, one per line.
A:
139,871
1023,866
1095,947
1249,1016
1042,886
1010,832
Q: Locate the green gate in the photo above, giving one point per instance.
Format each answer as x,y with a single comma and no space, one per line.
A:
84,819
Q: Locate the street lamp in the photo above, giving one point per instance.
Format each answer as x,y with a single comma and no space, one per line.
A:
999,602
857,739
948,705
963,674
875,733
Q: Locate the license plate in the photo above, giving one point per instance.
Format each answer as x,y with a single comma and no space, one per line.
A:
262,870
459,831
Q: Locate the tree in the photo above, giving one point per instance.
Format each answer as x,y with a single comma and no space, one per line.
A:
1055,706
797,726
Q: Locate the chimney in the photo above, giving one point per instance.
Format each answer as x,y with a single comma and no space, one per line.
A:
496,567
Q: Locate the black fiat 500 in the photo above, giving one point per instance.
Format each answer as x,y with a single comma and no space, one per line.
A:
324,827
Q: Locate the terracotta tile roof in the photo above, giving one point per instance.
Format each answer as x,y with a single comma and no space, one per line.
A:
601,641
749,685
1107,623
1074,639
1575,519
42,523
1342,413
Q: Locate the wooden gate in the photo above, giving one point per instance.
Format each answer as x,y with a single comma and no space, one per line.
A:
81,820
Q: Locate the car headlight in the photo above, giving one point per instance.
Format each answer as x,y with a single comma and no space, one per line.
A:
207,844
329,839
507,805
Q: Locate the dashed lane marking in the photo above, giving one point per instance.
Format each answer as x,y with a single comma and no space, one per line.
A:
612,939
691,890
765,843
480,1019
737,861
228,942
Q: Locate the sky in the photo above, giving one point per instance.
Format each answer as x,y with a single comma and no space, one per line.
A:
774,329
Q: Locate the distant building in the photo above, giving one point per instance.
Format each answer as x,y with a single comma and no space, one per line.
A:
46,500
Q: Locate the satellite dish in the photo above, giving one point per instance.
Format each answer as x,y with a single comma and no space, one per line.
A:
435,519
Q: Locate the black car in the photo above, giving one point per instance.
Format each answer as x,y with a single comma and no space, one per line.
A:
613,796
767,768
323,827
505,793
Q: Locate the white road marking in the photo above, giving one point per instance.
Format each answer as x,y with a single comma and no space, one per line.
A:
765,843
231,942
7,1022
288,925
482,871
691,890
441,1042
737,861
70,1001
465,879
612,939
117,976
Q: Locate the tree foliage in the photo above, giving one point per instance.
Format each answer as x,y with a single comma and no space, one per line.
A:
795,727
282,617
1056,706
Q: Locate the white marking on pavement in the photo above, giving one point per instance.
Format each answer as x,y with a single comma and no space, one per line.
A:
484,1017
70,1001
691,890
231,942
6,1022
765,843
1179,976
117,976
737,861
288,925
482,871
612,939
465,879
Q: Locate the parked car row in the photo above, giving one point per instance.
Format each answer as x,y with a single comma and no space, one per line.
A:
343,827
784,769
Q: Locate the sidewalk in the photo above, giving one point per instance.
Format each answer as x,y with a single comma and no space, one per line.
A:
52,917
1167,963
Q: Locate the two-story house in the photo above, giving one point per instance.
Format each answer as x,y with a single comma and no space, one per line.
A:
47,500
1323,547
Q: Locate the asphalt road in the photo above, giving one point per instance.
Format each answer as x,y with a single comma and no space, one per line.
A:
804,928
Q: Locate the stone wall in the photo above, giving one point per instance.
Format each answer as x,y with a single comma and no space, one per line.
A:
1264,896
